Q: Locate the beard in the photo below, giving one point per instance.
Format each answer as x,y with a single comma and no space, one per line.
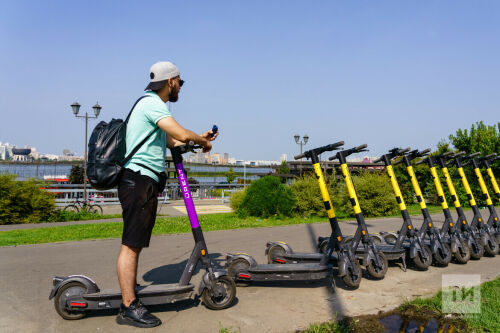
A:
174,96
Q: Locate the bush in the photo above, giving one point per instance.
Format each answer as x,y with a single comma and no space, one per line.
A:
237,198
24,201
267,197
309,201
375,195
63,216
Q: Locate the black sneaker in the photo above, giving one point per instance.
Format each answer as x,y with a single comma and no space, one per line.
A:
136,315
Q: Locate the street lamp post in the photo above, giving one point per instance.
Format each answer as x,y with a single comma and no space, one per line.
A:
97,109
301,142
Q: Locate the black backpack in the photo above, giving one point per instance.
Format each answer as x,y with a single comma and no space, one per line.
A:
106,153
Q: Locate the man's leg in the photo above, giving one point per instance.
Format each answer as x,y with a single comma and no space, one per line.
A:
126,268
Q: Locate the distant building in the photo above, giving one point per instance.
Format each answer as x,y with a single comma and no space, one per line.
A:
225,158
283,158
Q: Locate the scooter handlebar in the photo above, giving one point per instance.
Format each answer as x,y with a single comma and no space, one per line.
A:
320,150
473,155
460,153
360,148
424,152
298,157
490,156
424,160
446,155
403,151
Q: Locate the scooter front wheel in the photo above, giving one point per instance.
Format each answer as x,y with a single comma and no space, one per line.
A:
463,253
420,261
378,272
476,250
491,248
443,255
60,301
351,280
216,302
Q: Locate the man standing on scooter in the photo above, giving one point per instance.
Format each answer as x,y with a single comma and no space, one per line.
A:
144,173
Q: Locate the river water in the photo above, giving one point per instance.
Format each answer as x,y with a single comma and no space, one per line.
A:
26,171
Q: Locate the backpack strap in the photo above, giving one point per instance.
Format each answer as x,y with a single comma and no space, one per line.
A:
132,153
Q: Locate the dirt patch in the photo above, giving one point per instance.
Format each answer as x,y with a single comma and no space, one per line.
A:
407,319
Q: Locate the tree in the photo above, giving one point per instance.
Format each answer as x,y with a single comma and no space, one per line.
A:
76,175
283,168
481,137
230,176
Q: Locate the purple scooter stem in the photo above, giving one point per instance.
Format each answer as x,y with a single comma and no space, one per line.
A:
186,195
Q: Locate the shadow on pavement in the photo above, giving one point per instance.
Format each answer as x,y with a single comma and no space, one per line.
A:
171,273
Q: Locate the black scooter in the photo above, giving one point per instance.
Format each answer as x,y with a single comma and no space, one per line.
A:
487,235
433,238
407,237
75,295
245,269
361,245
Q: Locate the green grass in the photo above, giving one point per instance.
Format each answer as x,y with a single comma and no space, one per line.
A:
486,321
329,327
169,225
166,225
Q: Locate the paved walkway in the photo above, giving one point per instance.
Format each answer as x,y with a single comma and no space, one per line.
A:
26,280
174,208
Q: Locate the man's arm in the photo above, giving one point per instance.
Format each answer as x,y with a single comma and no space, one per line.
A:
176,133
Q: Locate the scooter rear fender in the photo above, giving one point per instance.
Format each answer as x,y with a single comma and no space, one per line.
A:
283,245
85,280
232,257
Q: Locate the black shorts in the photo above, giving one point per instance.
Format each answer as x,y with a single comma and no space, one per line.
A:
138,196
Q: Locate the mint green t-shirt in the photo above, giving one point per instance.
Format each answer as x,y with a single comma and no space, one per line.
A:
143,121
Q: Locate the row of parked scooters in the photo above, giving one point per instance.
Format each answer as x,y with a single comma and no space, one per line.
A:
459,239
75,295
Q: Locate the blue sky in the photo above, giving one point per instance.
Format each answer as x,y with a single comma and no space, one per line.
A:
386,73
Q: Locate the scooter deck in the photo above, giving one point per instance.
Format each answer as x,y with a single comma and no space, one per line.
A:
291,272
308,257
142,291
390,252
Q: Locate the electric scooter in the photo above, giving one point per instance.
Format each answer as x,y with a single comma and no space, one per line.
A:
373,257
486,160
407,237
488,240
460,241
244,269
440,249
75,295
465,232
493,221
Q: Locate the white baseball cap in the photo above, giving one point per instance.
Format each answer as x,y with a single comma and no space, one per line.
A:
159,73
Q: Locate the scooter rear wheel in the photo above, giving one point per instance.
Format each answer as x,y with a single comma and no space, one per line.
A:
443,256
350,280
219,303
237,266
62,295
422,263
378,272
274,252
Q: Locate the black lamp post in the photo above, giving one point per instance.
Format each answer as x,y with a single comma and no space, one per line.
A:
97,109
301,142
